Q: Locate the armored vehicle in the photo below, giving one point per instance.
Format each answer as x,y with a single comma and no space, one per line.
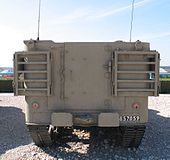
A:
104,84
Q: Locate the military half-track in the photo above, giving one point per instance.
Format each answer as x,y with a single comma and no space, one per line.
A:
104,84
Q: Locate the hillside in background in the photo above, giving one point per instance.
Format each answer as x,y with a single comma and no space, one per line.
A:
10,69
166,68
6,73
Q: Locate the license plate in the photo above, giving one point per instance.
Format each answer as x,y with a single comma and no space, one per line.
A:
129,118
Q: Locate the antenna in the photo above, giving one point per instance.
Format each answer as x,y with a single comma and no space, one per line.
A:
39,14
131,23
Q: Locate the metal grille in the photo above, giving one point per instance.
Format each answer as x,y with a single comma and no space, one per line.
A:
32,73
136,73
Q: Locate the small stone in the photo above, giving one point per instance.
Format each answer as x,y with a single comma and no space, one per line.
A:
106,147
168,147
151,158
106,141
116,157
33,154
23,154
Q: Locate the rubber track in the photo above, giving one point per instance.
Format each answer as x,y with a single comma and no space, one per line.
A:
40,135
131,136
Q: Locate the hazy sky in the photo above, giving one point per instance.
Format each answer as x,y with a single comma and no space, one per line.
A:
84,20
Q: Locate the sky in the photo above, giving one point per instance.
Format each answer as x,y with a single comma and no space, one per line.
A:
84,20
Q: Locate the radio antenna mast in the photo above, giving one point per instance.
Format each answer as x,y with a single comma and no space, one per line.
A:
39,14
132,15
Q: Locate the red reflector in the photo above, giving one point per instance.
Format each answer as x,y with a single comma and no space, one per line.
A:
135,105
35,105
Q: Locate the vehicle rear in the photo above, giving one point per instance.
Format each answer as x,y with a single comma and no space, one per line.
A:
104,84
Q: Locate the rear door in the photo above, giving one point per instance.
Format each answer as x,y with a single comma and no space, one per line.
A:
87,84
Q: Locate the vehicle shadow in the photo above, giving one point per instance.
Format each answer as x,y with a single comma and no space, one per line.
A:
87,143
98,143
13,131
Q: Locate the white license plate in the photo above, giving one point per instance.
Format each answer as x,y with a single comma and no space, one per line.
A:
129,118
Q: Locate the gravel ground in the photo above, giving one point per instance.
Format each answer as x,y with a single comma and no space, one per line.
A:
81,143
